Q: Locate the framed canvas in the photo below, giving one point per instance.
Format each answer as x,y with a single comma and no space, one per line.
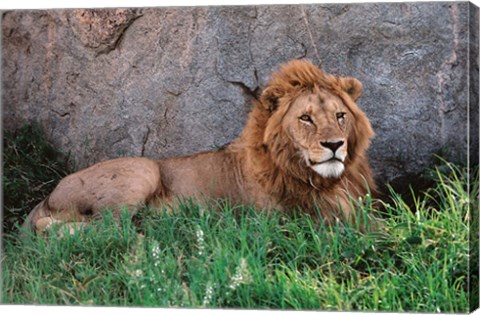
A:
314,156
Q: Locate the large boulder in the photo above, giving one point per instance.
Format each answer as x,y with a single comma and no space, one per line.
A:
163,82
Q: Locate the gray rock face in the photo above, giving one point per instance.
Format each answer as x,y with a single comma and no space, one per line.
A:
163,82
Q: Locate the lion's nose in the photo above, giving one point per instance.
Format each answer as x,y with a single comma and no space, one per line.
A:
332,145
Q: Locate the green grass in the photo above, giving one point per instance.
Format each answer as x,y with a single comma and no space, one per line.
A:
416,260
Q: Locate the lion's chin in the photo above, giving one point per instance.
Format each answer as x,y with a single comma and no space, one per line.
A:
331,169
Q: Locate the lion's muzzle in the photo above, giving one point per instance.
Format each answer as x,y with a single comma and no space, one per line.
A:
330,162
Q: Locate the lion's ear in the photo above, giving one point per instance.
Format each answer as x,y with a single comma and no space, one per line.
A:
269,98
352,86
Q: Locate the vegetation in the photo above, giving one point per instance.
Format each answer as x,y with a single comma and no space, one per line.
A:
416,258
31,169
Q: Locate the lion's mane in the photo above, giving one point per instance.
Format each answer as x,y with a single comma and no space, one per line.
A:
271,157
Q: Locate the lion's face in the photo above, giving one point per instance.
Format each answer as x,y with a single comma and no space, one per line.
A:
312,123
316,124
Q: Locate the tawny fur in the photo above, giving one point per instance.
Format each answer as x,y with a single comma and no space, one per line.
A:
267,166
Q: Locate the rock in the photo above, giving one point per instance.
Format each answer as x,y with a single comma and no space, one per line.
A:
163,82
100,29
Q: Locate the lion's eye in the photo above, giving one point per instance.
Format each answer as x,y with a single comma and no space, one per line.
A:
306,118
341,118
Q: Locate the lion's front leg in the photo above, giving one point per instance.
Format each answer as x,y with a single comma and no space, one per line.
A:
126,183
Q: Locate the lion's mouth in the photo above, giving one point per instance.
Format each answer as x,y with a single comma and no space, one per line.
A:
332,159
332,167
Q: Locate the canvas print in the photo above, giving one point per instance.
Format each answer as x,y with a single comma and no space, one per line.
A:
288,157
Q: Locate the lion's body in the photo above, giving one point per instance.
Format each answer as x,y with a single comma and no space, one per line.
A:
304,147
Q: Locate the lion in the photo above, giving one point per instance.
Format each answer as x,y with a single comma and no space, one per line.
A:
303,147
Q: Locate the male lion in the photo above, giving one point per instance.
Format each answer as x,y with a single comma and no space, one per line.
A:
303,146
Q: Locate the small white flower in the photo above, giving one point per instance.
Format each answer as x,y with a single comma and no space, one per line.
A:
199,233
156,250
156,253
138,273
241,276
200,241
208,295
